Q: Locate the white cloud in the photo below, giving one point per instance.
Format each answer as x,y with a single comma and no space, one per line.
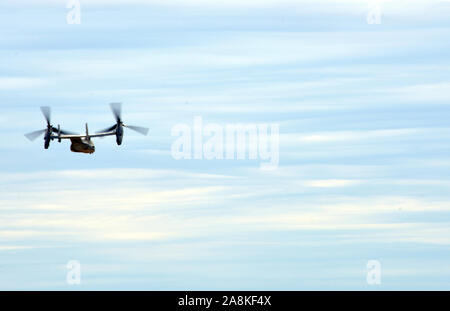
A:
14,247
429,93
338,136
8,83
331,183
131,211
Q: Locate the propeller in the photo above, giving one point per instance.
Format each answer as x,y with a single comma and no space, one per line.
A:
139,129
109,129
46,111
116,109
33,135
55,129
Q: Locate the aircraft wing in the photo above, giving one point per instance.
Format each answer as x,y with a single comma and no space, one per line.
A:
72,136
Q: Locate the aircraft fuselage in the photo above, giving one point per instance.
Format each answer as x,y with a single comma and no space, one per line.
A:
82,145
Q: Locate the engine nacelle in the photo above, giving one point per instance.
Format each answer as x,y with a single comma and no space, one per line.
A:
59,134
47,139
119,134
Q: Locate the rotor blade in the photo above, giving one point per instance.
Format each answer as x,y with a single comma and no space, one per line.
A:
46,111
142,130
109,129
64,132
116,109
33,135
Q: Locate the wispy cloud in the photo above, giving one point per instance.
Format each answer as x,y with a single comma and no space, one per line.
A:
364,151
9,83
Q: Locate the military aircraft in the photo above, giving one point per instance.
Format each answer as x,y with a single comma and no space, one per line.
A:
84,143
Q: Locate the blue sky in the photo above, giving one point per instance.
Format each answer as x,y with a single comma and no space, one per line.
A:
363,111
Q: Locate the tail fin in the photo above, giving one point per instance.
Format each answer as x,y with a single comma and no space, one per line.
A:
87,131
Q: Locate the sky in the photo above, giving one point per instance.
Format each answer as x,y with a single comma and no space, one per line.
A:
364,153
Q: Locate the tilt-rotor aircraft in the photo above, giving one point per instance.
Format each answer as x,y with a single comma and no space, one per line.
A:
83,143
